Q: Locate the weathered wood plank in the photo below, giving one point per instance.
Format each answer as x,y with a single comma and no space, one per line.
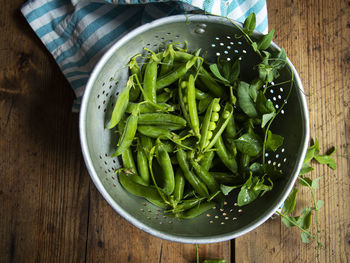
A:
113,239
43,186
315,35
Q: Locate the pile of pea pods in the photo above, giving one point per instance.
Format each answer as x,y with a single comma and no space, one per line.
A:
190,132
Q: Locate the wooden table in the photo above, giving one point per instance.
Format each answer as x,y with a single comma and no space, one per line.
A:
52,212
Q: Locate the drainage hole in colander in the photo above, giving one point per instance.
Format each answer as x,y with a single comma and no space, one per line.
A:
213,45
177,36
98,107
217,38
98,96
117,93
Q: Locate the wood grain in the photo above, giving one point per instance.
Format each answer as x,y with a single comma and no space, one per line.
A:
316,37
51,211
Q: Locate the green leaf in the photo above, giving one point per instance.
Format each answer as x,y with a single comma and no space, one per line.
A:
305,237
311,152
244,100
304,220
249,144
255,46
253,93
273,141
305,181
249,24
289,204
291,222
306,168
327,159
263,105
260,186
319,204
247,195
215,70
265,169
265,41
266,118
235,71
226,189
314,183
280,60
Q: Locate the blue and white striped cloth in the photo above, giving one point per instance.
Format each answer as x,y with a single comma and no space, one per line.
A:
78,32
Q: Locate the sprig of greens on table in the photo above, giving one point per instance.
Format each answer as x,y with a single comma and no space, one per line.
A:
303,221
199,130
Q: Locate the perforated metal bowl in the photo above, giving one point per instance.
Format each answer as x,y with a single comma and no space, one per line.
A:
217,37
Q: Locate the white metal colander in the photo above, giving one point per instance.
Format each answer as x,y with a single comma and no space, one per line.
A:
215,36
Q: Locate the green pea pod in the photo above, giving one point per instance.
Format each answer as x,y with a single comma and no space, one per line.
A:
158,203
192,106
198,210
128,134
187,204
211,84
138,189
221,125
164,96
147,108
228,179
206,123
167,61
200,95
228,160
142,163
231,131
176,74
197,185
167,169
179,185
154,132
150,80
120,105
182,104
146,143
163,119
181,56
128,161
207,160
205,176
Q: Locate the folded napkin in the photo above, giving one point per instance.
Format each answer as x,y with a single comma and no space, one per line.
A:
78,32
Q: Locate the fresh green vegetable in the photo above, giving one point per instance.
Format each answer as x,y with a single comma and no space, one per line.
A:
199,130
